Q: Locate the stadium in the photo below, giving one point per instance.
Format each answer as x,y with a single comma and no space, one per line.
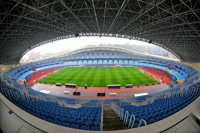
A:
100,88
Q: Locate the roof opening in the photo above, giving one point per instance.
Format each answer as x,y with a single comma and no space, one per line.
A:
62,47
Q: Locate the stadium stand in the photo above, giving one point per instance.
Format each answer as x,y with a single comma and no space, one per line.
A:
170,24
87,115
159,109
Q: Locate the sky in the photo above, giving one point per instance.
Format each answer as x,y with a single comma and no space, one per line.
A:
80,42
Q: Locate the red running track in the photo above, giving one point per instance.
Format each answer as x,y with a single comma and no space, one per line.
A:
37,75
92,91
160,74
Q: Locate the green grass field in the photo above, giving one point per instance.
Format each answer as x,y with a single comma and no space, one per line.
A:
99,76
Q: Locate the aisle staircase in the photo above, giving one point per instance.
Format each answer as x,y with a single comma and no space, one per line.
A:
111,121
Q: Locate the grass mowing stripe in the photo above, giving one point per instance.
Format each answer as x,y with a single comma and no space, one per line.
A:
98,77
85,77
90,78
125,76
77,77
119,77
110,74
80,75
115,76
95,77
102,81
137,75
107,76
68,74
132,74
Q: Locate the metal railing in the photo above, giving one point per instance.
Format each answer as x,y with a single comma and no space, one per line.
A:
121,113
142,120
126,117
101,125
131,121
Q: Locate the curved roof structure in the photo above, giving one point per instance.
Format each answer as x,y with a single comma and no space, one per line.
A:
173,24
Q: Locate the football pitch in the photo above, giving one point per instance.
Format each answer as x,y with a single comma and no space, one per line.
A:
99,76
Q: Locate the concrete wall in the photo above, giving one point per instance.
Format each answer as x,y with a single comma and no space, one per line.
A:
12,123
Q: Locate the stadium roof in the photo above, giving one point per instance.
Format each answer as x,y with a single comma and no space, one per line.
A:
172,24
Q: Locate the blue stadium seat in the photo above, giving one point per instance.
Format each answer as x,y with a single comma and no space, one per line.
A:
66,124
75,126
85,127
94,128
96,123
86,117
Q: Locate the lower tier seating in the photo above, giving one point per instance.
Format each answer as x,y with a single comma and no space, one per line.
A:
86,118
159,109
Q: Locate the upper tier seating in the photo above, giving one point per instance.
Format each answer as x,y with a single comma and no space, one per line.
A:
180,72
